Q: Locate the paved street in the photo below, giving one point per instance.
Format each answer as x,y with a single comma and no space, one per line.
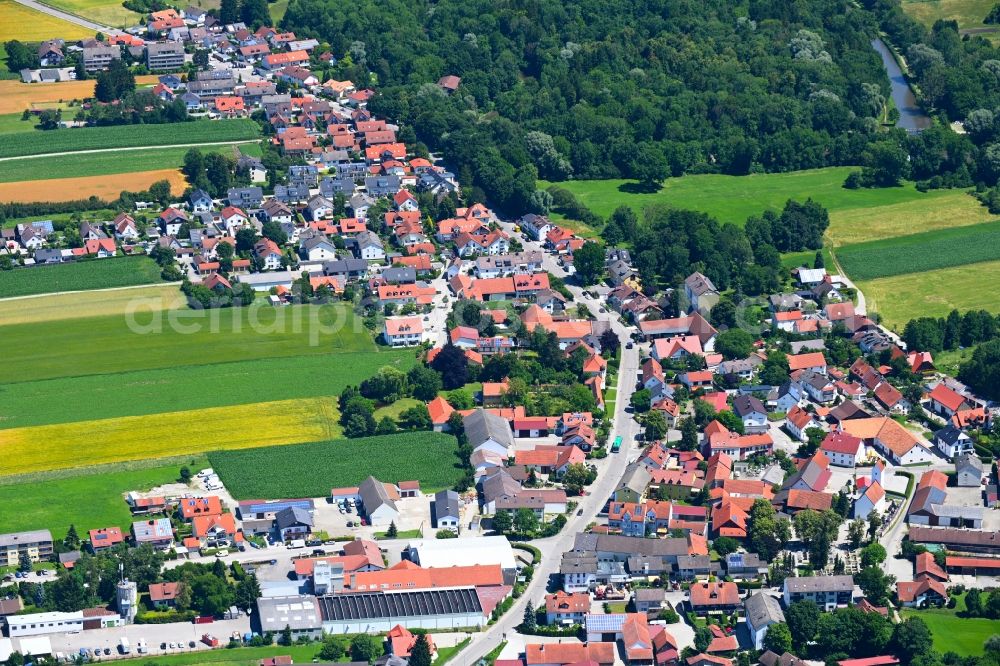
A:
610,472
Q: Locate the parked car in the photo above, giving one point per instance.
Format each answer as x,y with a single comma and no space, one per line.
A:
192,644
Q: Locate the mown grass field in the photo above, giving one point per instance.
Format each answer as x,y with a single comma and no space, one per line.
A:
54,307
157,340
735,198
37,142
107,187
84,443
107,12
28,25
100,164
963,635
54,501
933,293
79,276
968,13
918,253
939,209
310,470
180,388
11,123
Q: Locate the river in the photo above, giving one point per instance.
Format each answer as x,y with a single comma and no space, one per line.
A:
911,117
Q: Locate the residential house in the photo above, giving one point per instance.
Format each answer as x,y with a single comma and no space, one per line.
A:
752,412
700,292
268,253
890,438
403,331
379,505
828,592
798,421
762,611
447,510
969,470
953,442
566,608
870,498
156,532
714,597
843,449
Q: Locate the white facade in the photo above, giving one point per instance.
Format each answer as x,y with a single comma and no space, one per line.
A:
36,624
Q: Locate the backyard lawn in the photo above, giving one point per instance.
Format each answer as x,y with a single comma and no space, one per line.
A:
963,635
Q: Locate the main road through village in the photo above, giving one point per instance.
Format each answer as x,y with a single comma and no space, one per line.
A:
610,472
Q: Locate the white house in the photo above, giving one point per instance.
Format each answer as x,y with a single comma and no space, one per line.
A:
872,498
798,420
761,611
275,211
318,248
952,442
234,219
403,331
752,412
268,253
843,450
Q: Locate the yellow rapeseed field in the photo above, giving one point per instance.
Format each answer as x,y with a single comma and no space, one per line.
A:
85,443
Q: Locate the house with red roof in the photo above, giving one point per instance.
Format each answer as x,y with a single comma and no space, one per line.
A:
105,538
164,595
403,331
189,507
564,608
870,498
714,597
843,449
814,361
947,402
400,642
676,348
798,420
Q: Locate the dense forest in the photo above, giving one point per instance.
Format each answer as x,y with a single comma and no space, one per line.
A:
594,89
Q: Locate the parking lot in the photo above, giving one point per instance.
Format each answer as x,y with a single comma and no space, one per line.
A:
179,633
414,514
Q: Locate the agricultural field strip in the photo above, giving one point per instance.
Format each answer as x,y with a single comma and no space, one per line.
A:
81,275
310,470
175,433
39,167
155,340
917,253
935,293
107,188
183,388
37,142
95,303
